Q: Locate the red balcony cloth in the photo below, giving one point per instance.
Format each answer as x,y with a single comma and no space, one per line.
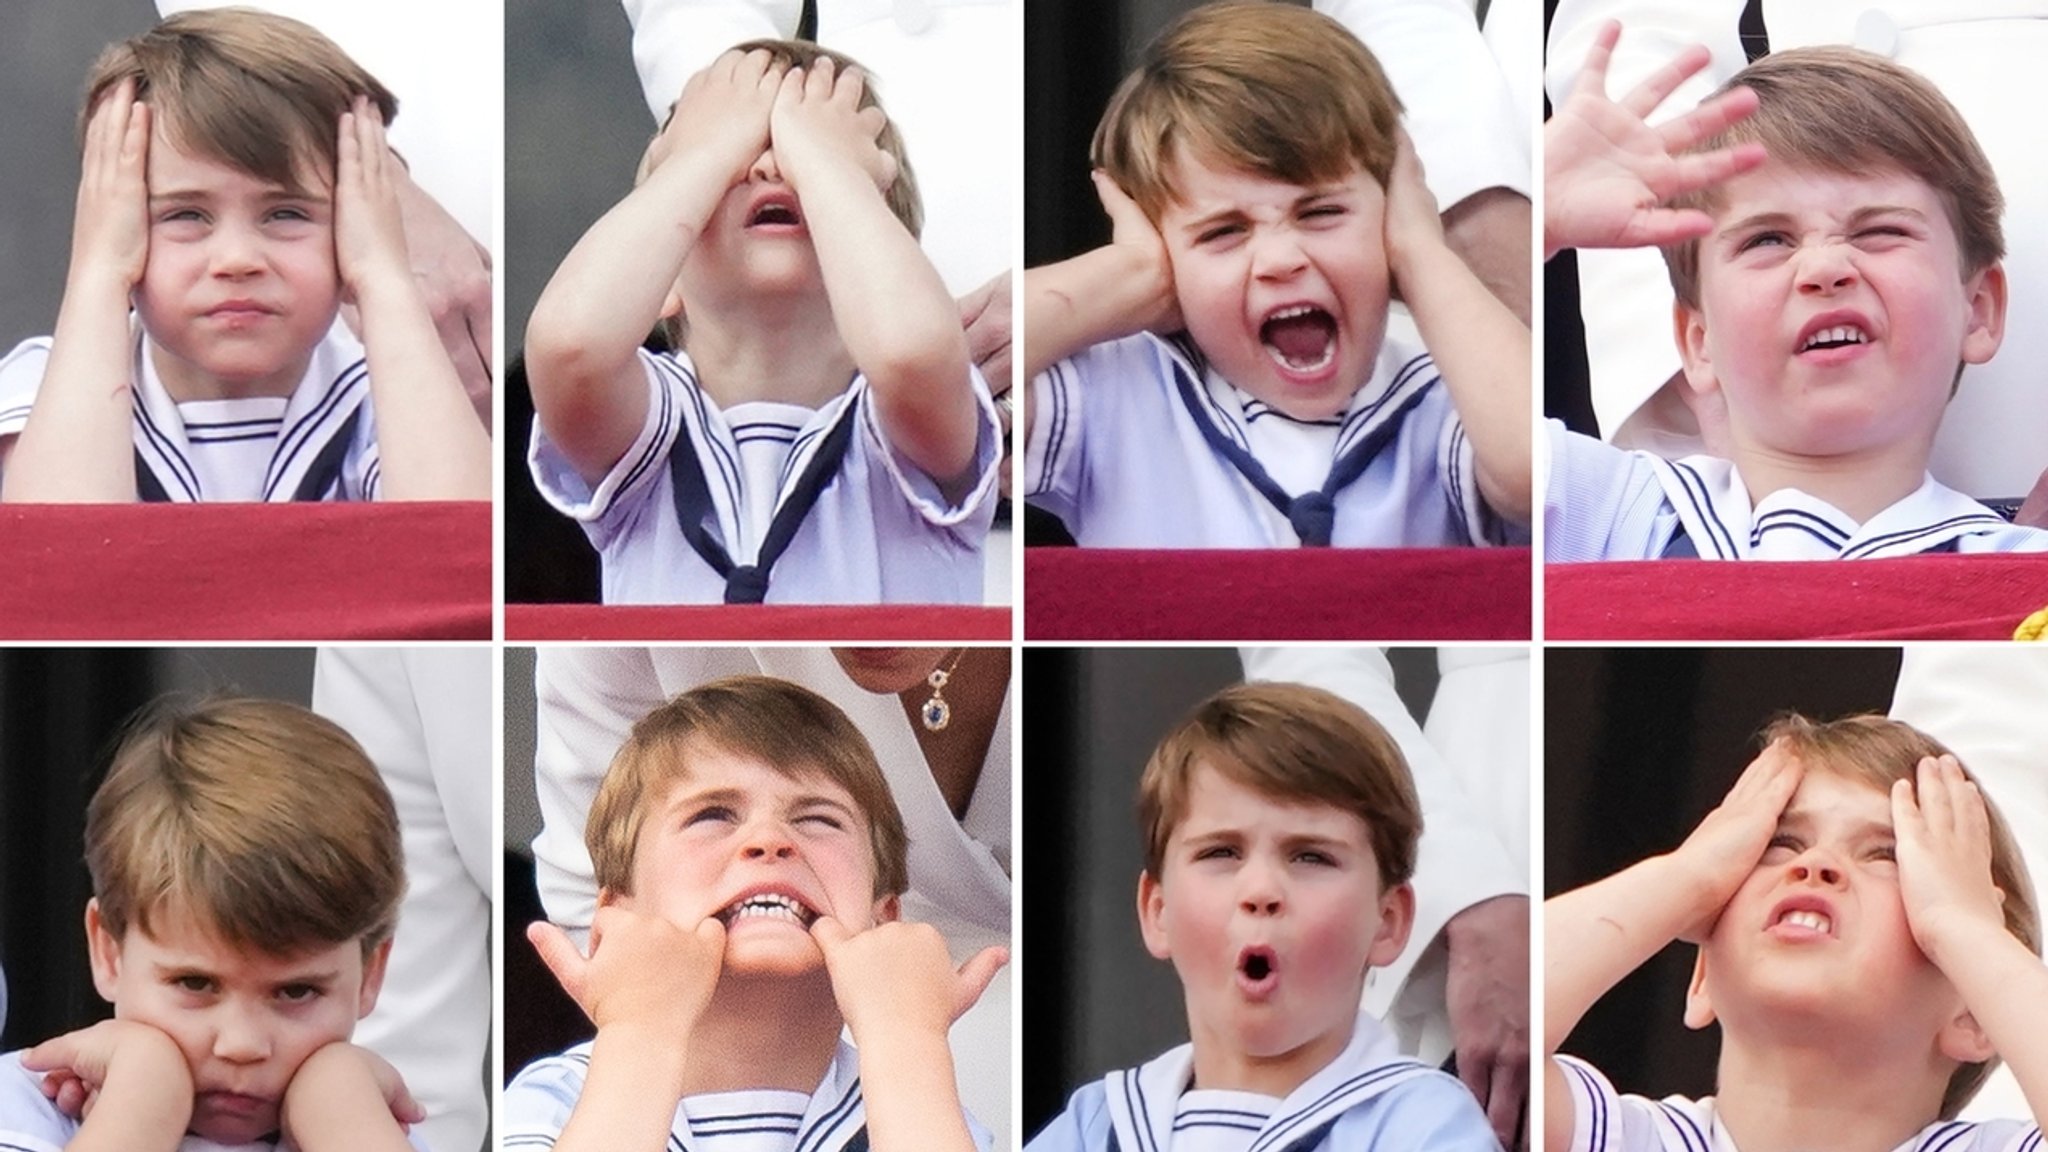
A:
945,623
399,571
1277,594
1912,598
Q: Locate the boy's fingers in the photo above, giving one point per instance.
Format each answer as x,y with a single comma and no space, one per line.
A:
1707,120
710,932
975,976
1933,794
1593,73
829,933
1644,98
559,953
1692,173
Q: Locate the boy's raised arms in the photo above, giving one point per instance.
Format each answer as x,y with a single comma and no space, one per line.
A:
1954,910
583,339
76,446
898,322
1600,933
645,984
429,443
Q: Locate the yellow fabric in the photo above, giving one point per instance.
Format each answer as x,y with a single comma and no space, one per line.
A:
2034,627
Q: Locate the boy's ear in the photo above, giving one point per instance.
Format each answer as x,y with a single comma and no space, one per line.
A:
671,305
1152,916
1397,917
888,908
373,977
1689,329
1986,293
105,951
1963,1040
1699,1005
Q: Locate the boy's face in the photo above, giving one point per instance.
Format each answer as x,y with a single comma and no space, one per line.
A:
1271,911
240,284
766,854
244,1020
1283,287
757,242
1818,930
1834,312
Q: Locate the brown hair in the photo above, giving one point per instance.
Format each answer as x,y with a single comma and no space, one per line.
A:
789,728
260,93
1879,751
1852,112
1270,88
902,196
1290,742
261,820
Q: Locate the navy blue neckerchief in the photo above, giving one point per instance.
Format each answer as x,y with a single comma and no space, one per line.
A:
1313,514
748,583
321,476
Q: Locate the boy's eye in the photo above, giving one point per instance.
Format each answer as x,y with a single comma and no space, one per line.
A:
1783,842
177,215
1219,232
1324,211
1216,852
716,812
1884,852
824,819
1313,856
1763,240
292,214
191,983
298,993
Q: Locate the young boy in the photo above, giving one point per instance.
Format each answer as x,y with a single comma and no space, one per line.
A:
246,873
750,860
1830,289
1280,827
1868,941
1267,206
817,434
235,193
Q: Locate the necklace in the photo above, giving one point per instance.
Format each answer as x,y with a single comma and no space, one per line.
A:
936,713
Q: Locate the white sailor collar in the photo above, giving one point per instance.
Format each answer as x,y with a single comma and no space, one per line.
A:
1714,507
322,409
1143,1101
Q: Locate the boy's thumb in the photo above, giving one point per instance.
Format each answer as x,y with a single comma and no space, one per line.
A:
975,976
559,953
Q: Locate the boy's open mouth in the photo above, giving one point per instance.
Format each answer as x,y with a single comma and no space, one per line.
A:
1300,337
1802,918
778,210
1838,336
1258,971
768,905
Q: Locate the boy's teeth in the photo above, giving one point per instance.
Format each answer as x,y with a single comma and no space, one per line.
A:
1302,337
1817,921
768,904
1839,334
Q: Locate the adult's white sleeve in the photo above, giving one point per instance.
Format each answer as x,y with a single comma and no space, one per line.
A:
445,62
424,717
1468,131
1459,862
675,39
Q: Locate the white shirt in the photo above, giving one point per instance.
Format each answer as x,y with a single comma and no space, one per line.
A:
1116,453
258,448
1603,503
881,531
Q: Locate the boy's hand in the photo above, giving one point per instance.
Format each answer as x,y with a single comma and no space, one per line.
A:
1944,853
641,969
1412,221
340,1069
898,975
1727,845
1135,237
76,1065
369,229
818,121
721,119
1606,171
110,233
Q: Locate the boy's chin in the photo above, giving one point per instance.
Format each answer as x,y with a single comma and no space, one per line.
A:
232,1127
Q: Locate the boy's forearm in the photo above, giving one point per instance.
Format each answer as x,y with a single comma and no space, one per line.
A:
1071,306
2005,987
629,1096
1482,350
430,445
77,445
913,1101
1598,934
144,1105
898,322
334,1104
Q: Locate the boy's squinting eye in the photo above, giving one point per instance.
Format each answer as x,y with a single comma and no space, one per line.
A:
824,819
1325,211
1315,856
1216,852
1762,240
709,813
1216,233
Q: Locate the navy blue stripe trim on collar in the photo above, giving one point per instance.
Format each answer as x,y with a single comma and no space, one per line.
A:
1696,491
299,434
1908,535
166,451
1289,1128
651,452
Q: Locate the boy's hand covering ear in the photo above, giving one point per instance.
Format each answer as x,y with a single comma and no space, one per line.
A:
1412,223
641,969
454,275
1132,234
1944,853
369,232
1727,845
110,233
1606,170
898,975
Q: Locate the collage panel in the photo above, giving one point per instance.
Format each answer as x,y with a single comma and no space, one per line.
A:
759,318
245,896
1251,818
1794,892
1276,309
1831,355
737,861
239,275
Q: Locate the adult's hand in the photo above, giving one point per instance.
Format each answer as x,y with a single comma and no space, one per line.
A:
1487,989
454,274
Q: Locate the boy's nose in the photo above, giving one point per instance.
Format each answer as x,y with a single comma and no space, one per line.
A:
234,253
765,170
768,840
1258,891
240,1039
1813,869
1826,268
1277,254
